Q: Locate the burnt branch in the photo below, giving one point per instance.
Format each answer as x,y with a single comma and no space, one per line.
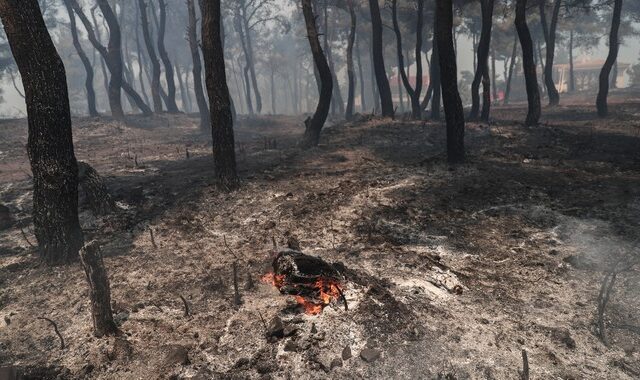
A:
55,329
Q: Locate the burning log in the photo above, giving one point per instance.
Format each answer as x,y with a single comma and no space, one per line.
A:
314,282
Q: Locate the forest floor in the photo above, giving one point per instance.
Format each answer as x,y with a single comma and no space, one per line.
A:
453,270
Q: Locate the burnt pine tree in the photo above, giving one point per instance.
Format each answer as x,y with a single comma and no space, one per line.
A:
454,114
224,156
316,122
50,145
155,64
170,100
549,33
528,63
88,68
603,92
350,66
384,90
194,46
482,69
414,93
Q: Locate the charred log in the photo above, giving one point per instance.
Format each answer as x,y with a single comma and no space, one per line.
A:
99,290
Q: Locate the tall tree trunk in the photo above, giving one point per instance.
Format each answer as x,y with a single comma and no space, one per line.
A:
88,68
151,51
512,65
50,144
139,53
603,92
251,60
351,76
533,94
550,40
483,57
316,122
224,157
614,75
363,104
454,113
435,77
572,74
494,82
172,107
378,60
192,36
374,87
183,94
273,91
114,59
414,93
98,39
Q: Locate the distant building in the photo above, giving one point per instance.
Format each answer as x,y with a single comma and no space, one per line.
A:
587,72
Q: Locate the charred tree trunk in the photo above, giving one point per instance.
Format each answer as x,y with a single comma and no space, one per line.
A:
454,113
550,40
224,156
192,36
482,71
114,59
436,79
603,92
512,65
172,107
363,105
99,291
494,87
155,64
382,81
351,75
414,93
372,81
183,92
533,93
50,144
88,68
93,191
572,74
316,122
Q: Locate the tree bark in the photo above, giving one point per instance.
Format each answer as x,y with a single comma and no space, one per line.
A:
316,122
172,107
192,36
88,68
414,93
603,92
151,51
382,81
350,66
50,144
183,93
99,291
482,71
224,156
139,53
435,77
454,114
533,93
550,40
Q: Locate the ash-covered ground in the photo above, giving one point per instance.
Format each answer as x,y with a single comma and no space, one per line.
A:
450,271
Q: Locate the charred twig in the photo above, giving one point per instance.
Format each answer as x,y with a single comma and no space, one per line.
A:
186,306
55,328
224,239
344,299
525,366
237,299
263,322
153,240
24,235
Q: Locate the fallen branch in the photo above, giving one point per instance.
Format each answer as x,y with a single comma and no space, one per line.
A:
24,235
525,365
55,328
153,240
186,306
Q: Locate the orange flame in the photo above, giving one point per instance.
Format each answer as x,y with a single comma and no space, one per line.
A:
328,290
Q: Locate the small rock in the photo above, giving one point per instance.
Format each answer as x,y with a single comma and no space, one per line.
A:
484,321
275,328
346,353
313,328
120,318
336,362
177,354
7,320
520,341
291,346
563,336
242,362
553,252
370,355
269,225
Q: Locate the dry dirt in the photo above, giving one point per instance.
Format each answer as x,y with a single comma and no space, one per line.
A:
451,271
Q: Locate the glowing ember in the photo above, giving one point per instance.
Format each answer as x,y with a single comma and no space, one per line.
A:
312,297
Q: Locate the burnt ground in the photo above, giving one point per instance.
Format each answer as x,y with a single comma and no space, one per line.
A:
451,271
